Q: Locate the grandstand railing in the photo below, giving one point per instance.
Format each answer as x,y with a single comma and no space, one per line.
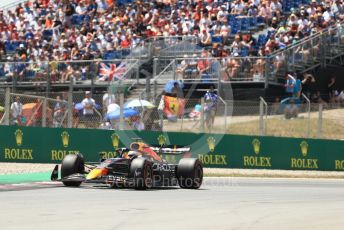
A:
173,46
12,5
90,73
306,54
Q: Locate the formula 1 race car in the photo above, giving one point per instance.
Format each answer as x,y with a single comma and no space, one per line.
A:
139,166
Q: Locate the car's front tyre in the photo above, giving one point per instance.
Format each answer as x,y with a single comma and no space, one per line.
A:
190,173
141,171
71,164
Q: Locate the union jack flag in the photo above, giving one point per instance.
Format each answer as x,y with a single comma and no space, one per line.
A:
110,72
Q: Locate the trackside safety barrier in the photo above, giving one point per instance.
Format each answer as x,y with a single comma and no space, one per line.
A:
46,145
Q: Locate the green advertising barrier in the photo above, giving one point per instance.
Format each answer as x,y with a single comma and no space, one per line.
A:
46,145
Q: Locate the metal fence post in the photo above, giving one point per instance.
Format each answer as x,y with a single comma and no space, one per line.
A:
155,66
225,113
262,112
155,89
267,66
261,119
44,113
138,74
202,115
7,106
70,109
320,120
121,116
148,88
174,68
309,114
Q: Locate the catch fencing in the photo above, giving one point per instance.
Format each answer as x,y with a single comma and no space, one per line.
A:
261,118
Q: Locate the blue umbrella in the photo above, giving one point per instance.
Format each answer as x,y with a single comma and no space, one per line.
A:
170,84
79,106
126,113
286,100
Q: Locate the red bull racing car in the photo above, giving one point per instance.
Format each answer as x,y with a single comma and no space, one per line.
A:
139,166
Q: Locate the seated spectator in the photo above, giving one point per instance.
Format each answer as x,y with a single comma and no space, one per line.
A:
230,69
340,98
196,112
236,46
258,77
191,70
205,38
291,110
318,98
203,67
258,67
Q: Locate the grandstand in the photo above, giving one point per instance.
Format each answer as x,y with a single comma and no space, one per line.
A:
53,45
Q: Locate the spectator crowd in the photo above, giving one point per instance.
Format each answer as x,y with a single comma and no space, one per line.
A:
86,29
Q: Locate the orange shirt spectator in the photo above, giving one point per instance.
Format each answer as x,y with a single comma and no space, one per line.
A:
48,23
109,2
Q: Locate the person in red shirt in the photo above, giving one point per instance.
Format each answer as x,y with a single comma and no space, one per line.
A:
126,42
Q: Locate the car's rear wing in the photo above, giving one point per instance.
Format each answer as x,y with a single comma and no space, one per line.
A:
171,149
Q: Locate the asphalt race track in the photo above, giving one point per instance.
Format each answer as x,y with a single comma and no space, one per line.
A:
222,203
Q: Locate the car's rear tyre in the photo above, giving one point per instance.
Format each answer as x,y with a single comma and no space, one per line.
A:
141,170
71,164
190,173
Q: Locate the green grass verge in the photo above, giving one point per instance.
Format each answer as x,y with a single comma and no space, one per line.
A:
24,178
331,129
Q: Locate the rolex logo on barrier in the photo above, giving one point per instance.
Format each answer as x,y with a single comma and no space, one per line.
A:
59,154
304,163
256,146
161,140
211,143
255,161
115,140
18,153
19,137
65,139
304,148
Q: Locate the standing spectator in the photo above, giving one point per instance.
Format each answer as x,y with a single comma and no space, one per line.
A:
177,90
59,111
308,85
108,98
88,109
137,123
16,112
291,110
210,107
290,83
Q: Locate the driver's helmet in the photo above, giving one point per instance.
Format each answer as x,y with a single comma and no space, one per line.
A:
133,153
